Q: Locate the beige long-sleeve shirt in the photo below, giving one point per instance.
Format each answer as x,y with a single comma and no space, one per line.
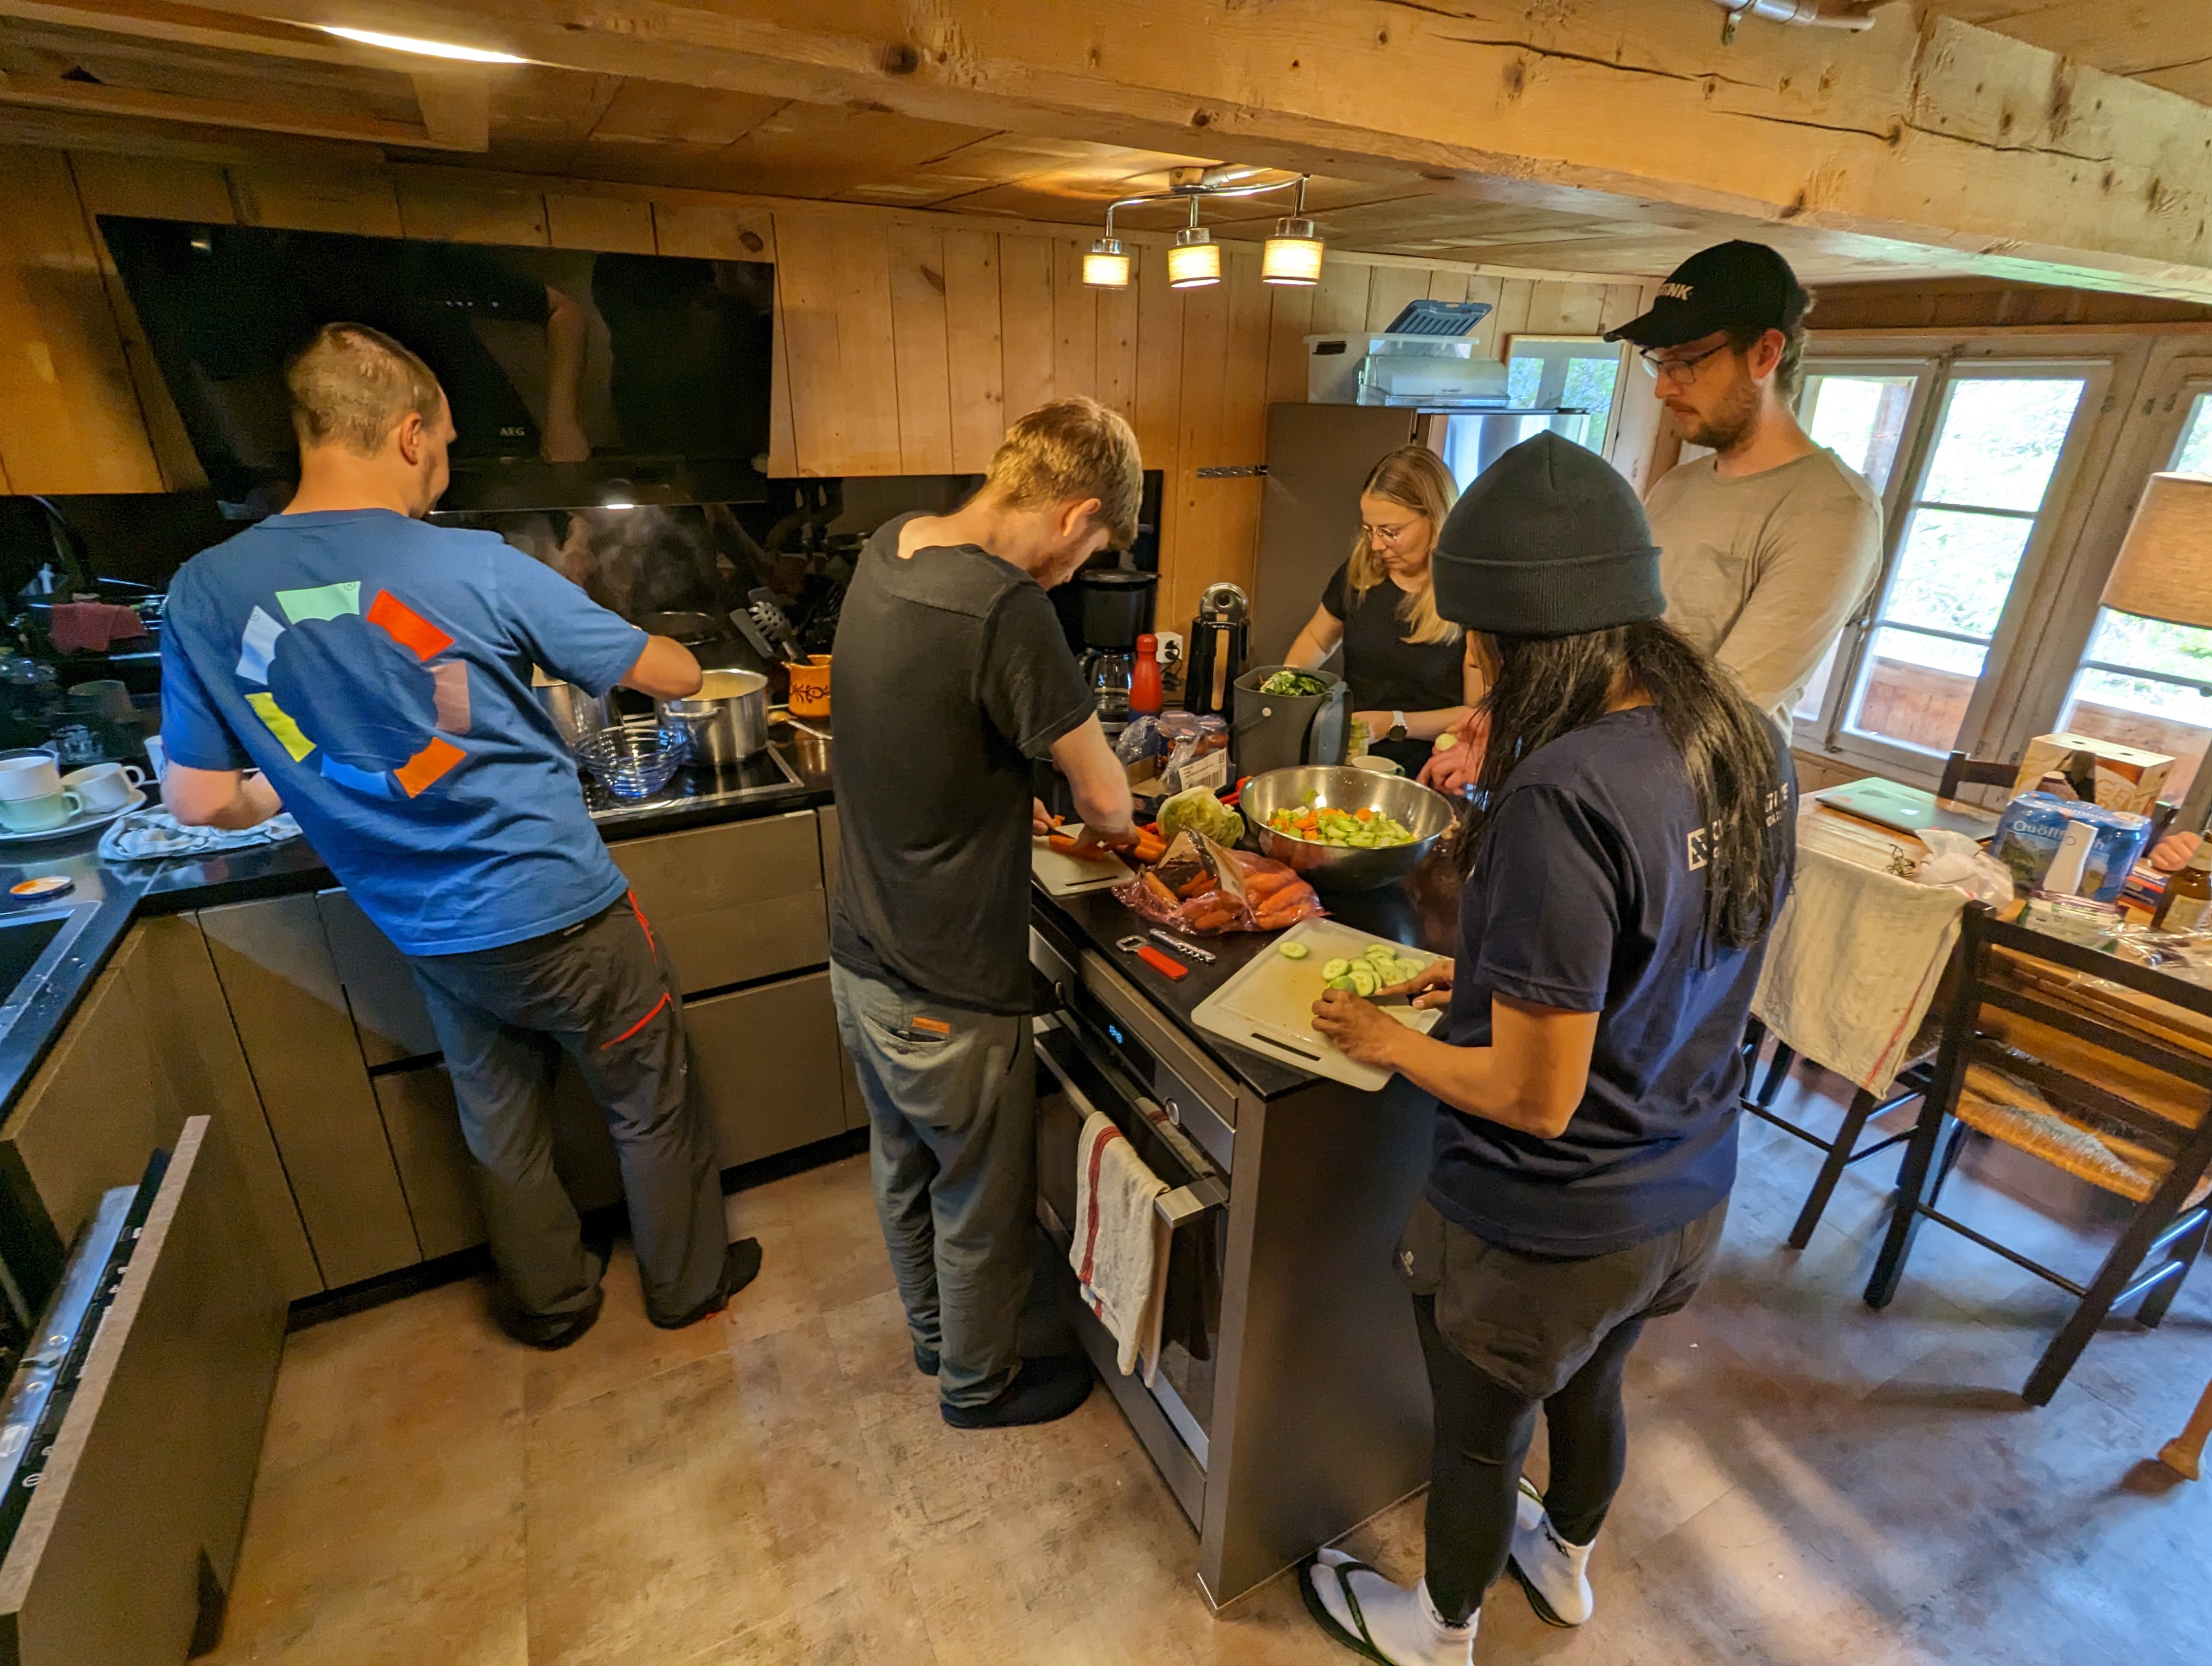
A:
1763,571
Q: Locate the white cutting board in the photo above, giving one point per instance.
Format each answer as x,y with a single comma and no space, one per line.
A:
1067,876
1267,1007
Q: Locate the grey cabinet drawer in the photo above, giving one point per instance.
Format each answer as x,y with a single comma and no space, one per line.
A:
389,1017
734,904
435,1170
770,1070
277,973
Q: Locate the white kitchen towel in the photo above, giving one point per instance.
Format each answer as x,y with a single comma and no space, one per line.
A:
1853,964
1119,1250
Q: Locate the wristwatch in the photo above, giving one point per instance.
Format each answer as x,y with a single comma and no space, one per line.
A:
1397,726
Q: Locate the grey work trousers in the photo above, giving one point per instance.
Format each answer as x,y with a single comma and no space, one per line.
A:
952,1097
604,990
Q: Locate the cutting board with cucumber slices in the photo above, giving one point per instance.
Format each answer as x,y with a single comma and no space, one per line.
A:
1267,1007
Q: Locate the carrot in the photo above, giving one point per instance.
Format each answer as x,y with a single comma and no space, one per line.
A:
1062,843
1198,884
1158,887
1211,920
1267,883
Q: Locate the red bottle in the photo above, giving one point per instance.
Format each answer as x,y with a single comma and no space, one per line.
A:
1145,678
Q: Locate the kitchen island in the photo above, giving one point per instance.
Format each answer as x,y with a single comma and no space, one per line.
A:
1311,1411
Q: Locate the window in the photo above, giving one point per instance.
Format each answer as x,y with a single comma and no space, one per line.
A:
1860,415
2144,682
1571,380
1968,455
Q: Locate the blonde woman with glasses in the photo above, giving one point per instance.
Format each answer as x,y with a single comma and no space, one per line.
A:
1408,666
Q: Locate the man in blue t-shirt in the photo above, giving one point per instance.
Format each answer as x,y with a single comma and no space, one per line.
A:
376,671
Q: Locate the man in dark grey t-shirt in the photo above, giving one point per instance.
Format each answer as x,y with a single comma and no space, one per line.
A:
953,675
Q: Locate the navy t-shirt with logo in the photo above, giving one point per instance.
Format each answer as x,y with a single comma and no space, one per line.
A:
1589,895
377,669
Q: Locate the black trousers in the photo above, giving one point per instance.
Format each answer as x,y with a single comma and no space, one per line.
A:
1482,1436
604,992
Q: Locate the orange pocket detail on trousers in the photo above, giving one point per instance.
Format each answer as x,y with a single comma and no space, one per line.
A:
932,1026
640,1024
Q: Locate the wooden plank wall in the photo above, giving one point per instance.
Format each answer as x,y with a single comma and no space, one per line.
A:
905,343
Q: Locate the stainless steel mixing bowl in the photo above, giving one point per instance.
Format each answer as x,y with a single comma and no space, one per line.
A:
1427,815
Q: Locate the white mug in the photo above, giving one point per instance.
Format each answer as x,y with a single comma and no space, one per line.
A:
106,786
29,777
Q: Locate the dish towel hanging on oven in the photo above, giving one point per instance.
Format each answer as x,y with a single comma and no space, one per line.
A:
1120,1247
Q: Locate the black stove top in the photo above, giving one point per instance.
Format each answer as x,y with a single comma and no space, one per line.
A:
764,773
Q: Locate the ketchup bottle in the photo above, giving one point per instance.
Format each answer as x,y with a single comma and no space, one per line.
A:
1145,678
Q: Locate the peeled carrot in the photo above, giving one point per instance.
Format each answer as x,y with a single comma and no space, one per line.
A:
1062,843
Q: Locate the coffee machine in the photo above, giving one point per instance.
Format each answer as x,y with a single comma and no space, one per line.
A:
1103,610
1214,656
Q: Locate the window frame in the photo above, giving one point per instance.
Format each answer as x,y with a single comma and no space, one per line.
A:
2013,690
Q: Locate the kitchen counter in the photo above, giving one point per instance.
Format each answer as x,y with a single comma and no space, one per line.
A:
118,893
1423,911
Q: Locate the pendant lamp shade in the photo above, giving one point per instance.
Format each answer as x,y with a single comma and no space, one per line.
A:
1195,259
1107,266
1292,254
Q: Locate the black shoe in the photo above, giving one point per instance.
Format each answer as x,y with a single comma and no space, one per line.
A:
548,1332
925,1360
741,1264
1044,1391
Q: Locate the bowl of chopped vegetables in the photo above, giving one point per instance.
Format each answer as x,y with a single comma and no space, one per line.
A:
1345,829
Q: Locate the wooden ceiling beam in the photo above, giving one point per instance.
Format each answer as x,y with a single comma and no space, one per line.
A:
1923,139
90,98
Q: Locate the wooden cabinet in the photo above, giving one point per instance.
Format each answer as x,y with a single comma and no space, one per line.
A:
770,1072
93,1113
201,1068
291,1016
389,1018
436,1172
734,904
129,1544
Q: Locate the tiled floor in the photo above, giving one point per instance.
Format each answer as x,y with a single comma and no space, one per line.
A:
1809,1482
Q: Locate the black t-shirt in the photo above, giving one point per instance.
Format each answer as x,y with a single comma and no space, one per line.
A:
952,673
1589,895
1387,672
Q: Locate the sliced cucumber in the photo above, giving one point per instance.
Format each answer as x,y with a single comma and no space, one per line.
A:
1363,981
1341,980
1292,951
1335,969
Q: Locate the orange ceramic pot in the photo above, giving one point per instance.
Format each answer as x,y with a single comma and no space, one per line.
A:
810,687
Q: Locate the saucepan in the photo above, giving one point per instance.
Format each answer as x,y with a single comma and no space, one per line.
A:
573,712
727,719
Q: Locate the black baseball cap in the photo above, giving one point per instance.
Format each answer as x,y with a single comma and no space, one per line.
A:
1730,286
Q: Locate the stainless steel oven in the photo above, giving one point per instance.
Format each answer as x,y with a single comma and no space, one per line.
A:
1100,1048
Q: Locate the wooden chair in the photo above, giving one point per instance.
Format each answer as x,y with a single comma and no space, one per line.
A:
1959,770
1843,1150
2096,1065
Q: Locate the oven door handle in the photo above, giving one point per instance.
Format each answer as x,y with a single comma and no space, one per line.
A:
1183,1204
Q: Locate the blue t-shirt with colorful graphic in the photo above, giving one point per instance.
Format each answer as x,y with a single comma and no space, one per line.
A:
378,670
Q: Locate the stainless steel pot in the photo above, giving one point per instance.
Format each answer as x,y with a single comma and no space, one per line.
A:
1426,814
727,719
816,744
573,712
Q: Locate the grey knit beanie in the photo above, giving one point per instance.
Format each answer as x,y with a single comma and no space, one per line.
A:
1549,541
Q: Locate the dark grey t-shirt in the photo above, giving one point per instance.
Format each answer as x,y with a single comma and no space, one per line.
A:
952,673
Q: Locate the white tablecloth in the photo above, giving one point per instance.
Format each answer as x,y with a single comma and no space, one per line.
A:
1855,958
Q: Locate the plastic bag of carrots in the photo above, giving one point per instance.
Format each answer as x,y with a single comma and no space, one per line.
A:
1204,888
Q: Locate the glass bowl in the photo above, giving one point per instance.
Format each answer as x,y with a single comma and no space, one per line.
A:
634,761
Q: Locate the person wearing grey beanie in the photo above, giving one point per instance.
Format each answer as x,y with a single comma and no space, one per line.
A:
1630,841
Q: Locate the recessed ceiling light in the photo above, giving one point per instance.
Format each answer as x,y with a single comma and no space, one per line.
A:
407,43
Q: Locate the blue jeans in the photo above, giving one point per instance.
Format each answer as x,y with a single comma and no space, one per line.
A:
952,1150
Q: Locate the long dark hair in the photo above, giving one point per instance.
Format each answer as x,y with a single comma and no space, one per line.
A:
1547,686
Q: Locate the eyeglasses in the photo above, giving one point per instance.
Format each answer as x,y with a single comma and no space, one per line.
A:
1682,370
1390,535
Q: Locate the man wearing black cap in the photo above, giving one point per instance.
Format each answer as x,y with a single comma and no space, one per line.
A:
1772,543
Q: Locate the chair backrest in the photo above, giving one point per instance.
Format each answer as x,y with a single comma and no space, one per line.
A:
1964,771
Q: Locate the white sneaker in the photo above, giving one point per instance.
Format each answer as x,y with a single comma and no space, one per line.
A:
1391,1625
1554,1574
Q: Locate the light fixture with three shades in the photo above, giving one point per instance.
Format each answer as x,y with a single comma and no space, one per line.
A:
1291,255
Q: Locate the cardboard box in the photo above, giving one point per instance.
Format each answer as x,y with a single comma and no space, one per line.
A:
2128,778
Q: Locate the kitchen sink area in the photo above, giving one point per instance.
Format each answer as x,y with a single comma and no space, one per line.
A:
32,945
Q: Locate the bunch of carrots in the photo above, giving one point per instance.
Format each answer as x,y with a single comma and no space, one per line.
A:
1278,896
1150,846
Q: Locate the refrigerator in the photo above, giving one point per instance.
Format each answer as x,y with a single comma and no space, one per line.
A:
1318,458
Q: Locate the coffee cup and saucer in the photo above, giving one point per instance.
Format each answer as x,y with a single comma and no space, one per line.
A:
37,801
